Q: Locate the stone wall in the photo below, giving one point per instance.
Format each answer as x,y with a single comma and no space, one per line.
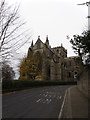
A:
83,82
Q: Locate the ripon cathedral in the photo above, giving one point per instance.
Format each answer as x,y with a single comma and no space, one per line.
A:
53,62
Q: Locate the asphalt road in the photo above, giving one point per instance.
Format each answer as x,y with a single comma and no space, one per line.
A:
43,102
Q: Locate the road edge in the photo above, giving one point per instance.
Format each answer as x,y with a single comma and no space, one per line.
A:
67,102
61,110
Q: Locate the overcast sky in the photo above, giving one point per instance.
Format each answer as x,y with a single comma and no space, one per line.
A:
55,18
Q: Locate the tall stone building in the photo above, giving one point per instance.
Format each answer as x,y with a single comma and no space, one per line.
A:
55,65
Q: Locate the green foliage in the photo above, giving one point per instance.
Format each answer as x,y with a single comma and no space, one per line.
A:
81,45
12,85
78,61
7,84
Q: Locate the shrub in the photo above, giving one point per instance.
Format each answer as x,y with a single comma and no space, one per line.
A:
12,85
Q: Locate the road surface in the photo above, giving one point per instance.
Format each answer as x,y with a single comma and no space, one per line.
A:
42,102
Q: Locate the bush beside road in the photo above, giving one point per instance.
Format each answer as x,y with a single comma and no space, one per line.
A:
13,85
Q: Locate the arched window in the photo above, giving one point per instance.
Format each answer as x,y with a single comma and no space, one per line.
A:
75,73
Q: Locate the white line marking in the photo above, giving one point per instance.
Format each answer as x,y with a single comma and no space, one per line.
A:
60,114
48,101
38,100
45,95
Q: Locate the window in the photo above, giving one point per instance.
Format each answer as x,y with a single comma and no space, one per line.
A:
69,75
57,50
69,63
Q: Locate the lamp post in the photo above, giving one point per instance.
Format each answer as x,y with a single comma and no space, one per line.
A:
89,16
88,4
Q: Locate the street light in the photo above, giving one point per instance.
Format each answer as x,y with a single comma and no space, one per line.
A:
88,4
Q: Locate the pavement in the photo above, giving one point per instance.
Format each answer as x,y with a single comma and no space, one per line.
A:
76,104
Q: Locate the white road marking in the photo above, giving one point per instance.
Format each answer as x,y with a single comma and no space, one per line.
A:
46,95
48,101
60,114
38,100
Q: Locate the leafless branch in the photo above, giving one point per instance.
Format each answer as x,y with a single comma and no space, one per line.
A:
12,34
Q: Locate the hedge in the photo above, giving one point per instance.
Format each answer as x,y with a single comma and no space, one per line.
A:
12,85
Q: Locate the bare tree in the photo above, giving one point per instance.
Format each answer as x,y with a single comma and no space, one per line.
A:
7,72
12,30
